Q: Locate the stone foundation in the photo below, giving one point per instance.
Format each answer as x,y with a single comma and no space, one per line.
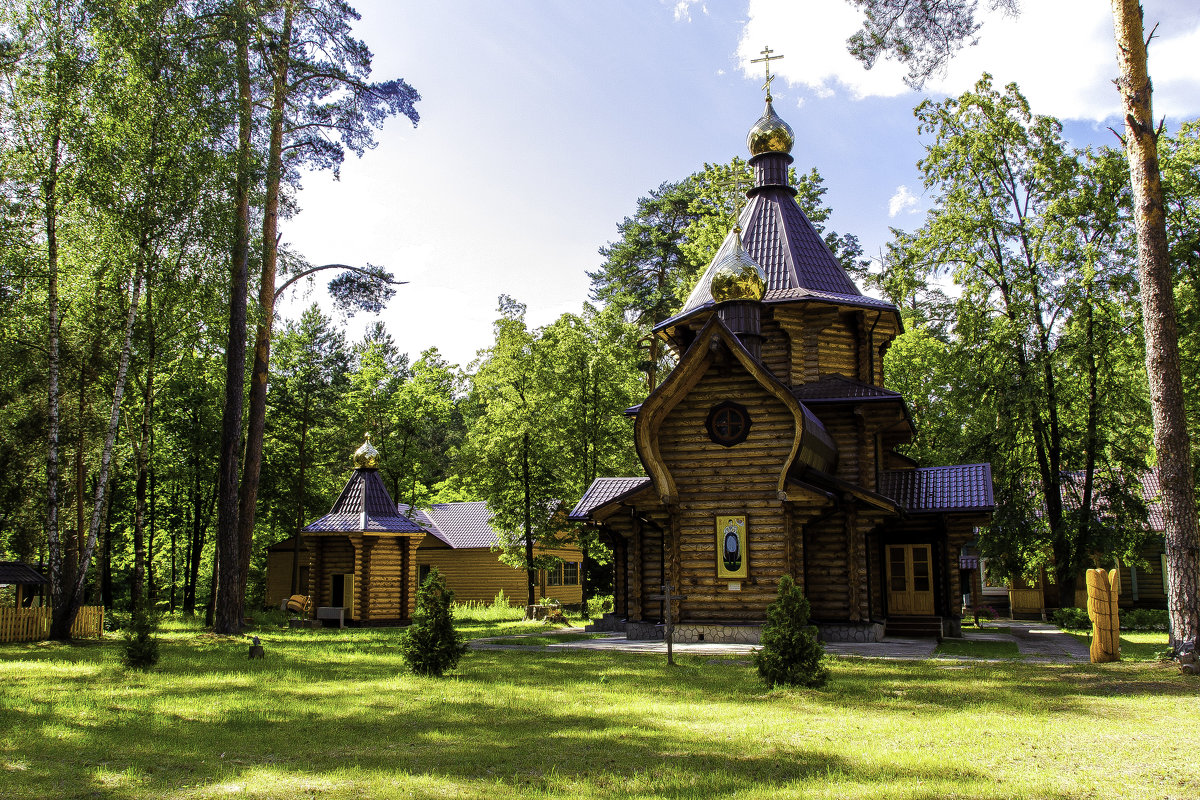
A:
717,633
851,631
644,631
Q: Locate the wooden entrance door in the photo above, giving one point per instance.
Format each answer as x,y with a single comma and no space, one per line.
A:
910,579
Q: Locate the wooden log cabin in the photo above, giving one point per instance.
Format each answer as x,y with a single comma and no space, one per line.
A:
460,542
770,450
372,565
362,555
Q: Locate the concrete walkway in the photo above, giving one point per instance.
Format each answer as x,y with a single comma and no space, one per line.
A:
1035,642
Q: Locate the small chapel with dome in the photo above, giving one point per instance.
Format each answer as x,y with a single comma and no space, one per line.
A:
770,450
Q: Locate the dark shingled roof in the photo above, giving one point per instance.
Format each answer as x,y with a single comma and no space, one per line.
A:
781,239
16,572
602,492
962,487
364,506
457,524
836,388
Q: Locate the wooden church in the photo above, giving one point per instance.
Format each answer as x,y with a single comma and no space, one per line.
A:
770,451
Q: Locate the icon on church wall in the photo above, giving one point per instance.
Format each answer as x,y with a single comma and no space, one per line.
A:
731,547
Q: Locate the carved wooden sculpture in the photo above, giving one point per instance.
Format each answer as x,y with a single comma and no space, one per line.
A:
1102,590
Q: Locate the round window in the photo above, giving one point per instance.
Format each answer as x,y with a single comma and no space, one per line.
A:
728,424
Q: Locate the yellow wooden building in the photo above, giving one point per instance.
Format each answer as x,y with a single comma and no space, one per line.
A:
770,450
457,538
362,555
459,542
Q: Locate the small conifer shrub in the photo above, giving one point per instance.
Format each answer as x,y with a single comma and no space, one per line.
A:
141,647
790,654
431,646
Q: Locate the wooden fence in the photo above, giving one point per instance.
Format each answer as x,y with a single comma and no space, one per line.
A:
33,624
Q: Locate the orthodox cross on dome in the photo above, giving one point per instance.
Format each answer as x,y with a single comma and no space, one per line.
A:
766,61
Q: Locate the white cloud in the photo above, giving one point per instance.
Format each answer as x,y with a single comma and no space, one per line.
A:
902,200
683,9
1060,53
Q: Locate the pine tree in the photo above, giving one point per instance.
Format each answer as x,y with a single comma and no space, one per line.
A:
431,645
790,654
141,647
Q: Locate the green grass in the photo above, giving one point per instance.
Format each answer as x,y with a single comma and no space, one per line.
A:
552,638
333,714
975,648
1135,645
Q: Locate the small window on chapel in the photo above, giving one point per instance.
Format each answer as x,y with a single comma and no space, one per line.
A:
728,424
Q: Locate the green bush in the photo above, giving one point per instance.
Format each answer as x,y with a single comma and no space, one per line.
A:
790,654
1144,619
431,646
1075,618
599,606
141,647
1132,619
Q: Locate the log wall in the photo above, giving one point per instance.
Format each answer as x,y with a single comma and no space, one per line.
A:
716,480
279,576
476,574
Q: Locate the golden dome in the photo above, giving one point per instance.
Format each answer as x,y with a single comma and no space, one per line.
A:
366,456
770,134
737,276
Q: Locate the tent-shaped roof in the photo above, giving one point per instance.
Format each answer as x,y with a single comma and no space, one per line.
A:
364,506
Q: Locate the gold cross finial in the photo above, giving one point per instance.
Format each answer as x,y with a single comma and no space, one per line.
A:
766,60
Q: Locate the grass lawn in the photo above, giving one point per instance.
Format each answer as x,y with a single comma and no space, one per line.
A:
977,649
1135,645
333,714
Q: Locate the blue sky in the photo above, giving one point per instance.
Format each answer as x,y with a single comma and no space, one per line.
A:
543,121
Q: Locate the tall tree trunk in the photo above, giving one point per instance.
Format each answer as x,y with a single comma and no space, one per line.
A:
300,499
256,419
228,611
1171,440
58,579
64,613
530,572
141,451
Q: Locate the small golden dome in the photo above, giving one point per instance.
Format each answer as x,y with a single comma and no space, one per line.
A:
737,276
770,134
366,456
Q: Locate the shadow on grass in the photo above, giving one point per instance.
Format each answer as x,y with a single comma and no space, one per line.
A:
78,725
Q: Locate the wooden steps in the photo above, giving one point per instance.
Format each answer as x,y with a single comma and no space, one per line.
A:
914,627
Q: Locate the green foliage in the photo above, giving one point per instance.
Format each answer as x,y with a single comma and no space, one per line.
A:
1132,619
431,645
1034,364
141,646
599,606
1074,618
791,653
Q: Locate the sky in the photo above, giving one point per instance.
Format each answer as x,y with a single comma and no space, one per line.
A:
543,122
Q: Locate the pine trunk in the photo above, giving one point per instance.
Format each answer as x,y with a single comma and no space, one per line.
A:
228,608
257,417
1171,440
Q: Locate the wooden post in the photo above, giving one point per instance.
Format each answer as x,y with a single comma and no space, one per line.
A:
669,633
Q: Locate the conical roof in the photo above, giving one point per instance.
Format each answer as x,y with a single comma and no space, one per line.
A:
780,238
364,506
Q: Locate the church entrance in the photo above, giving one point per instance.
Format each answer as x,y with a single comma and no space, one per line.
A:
910,581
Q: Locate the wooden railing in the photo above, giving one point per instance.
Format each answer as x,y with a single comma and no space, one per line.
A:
33,624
